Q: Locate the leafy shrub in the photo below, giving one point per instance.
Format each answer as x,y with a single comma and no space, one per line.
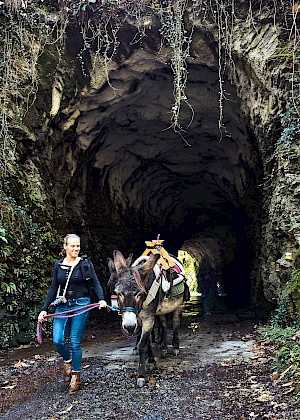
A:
26,262
283,332
290,122
286,344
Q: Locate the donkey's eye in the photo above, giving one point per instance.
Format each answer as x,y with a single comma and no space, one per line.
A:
138,298
120,297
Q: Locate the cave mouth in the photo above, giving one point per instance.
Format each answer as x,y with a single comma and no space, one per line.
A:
131,177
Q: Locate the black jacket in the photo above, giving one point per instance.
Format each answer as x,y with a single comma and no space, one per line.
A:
83,279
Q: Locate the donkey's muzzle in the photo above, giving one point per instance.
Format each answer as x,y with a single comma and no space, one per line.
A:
129,321
130,329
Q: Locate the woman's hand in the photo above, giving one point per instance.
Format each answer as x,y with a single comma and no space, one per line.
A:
41,316
102,304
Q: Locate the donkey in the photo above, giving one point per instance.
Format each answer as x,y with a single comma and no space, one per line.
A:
143,293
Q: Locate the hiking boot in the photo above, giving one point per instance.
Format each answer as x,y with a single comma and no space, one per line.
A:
67,372
75,383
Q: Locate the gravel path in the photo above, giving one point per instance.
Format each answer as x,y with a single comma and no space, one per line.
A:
222,373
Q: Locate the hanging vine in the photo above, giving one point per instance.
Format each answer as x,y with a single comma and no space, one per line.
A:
23,43
28,27
173,31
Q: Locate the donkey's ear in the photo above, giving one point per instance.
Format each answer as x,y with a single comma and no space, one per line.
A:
129,260
149,264
113,276
118,257
111,265
119,260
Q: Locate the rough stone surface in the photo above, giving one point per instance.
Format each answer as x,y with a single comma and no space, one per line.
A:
119,175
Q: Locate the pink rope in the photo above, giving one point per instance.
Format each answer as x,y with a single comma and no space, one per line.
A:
67,314
39,333
73,312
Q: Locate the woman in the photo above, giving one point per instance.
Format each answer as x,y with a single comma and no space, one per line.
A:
72,280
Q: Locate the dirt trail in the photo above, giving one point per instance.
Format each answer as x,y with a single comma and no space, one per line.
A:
221,373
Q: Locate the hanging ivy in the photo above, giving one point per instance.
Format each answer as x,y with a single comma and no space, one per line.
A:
30,25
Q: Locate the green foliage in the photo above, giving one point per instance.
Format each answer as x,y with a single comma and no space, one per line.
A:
26,263
295,226
23,36
191,270
283,331
7,332
285,343
2,235
5,250
290,122
294,283
288,312
47,64
283,316
9,288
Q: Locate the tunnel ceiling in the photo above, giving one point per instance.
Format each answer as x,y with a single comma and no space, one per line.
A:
189,184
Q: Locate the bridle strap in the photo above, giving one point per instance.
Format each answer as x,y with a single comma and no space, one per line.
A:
129,309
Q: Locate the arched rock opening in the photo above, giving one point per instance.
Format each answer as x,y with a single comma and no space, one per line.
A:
127,176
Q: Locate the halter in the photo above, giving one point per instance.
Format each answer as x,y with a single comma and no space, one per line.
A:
129,309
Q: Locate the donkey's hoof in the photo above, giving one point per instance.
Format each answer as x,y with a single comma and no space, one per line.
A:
175,352
141,382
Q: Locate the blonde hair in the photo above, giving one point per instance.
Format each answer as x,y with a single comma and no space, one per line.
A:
66,239
70,236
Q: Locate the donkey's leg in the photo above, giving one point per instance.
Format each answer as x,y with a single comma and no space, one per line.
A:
163,335
143,348
176,324
135,349
156,331
150,355
138,337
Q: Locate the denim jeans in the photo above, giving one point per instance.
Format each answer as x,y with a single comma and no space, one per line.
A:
76,324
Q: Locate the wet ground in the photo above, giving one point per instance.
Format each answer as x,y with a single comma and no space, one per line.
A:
223,372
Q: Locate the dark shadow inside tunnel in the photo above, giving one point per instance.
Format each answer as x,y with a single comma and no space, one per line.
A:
225,234
225,264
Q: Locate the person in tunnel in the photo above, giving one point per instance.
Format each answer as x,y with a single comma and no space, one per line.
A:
209,281
73,280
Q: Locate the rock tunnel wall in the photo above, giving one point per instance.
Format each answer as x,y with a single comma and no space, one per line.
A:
115,171
151,180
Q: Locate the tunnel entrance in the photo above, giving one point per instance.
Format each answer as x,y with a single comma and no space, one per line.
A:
132,176
223,273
